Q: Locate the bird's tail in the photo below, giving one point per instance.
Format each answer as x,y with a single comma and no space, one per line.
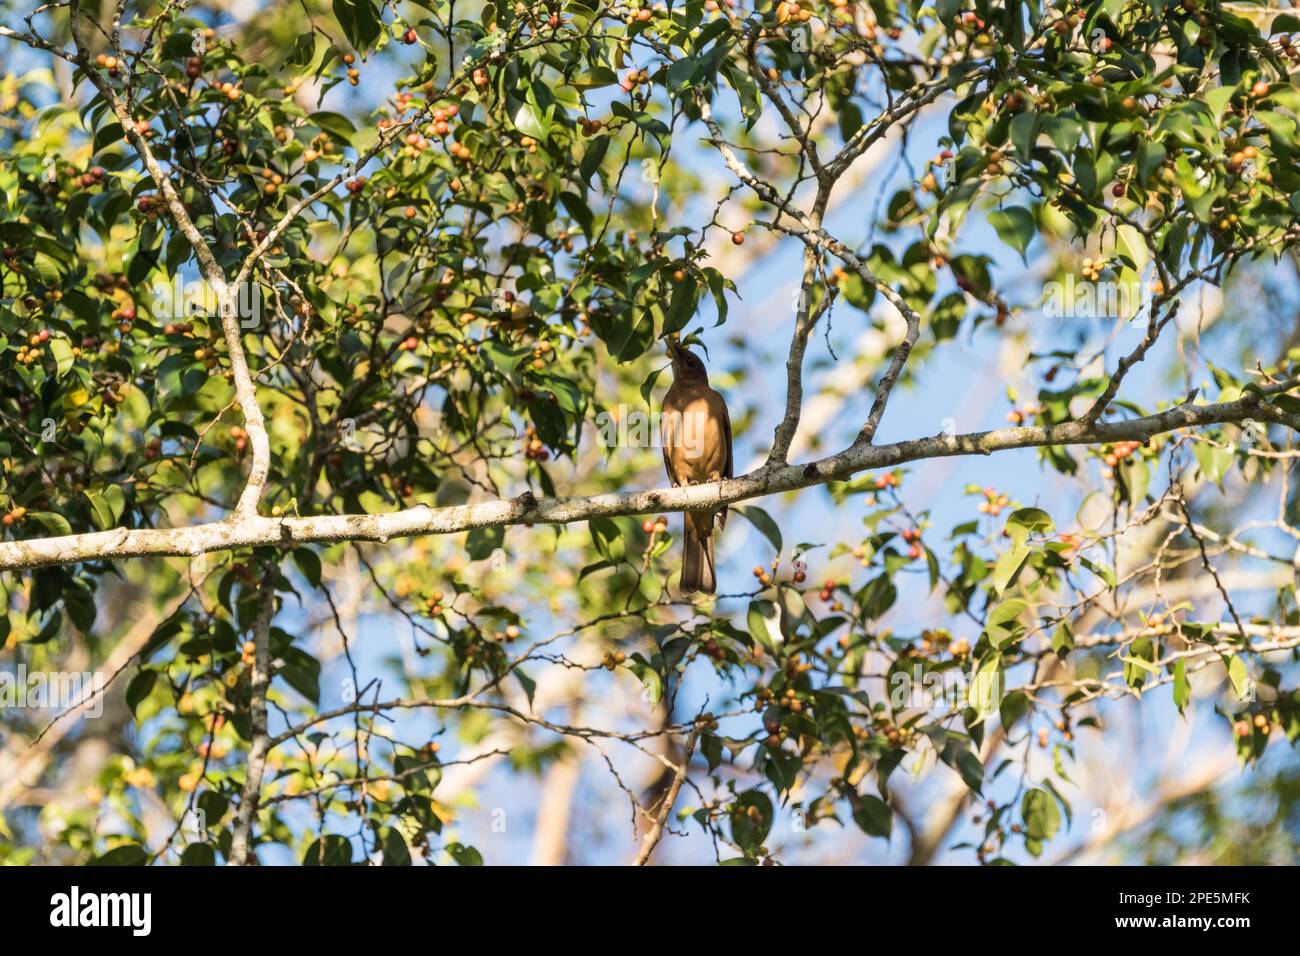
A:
697,554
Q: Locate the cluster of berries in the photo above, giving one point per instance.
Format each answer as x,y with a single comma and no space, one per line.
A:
31,352
534,450
655,525
1119,451
993,502
632,79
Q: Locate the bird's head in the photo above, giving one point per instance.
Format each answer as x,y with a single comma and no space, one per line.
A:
687,366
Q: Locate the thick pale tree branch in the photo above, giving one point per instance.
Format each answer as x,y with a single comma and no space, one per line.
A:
252,530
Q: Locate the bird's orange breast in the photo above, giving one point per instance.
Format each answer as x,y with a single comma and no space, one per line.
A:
694,434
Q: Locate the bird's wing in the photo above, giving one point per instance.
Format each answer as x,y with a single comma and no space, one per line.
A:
726,431
730,467
668,467
666,438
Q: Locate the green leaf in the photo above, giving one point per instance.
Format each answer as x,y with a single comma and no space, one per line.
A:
1214,461
1132,247
746,91
652,683
100,510
593,157
1024,130
763,623
1239,676
1024,521
142,263
1040,813
61,349
1285,23
1150,156
396,852
1014,706
1138,662
1182,689
199,854
761,520
481,542
1137,478
107,135
139,688
955,751
506,360
1015,226
711,747
682,306
680,74
987,688
214,807
751,819
115,498
54,523
579,210
1008,567
527,683
607,537
330,850
336,124
465,855
530,121
1063,639
873,815
308,562
360,22
128,854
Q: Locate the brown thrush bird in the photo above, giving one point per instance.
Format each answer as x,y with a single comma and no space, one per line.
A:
696,434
